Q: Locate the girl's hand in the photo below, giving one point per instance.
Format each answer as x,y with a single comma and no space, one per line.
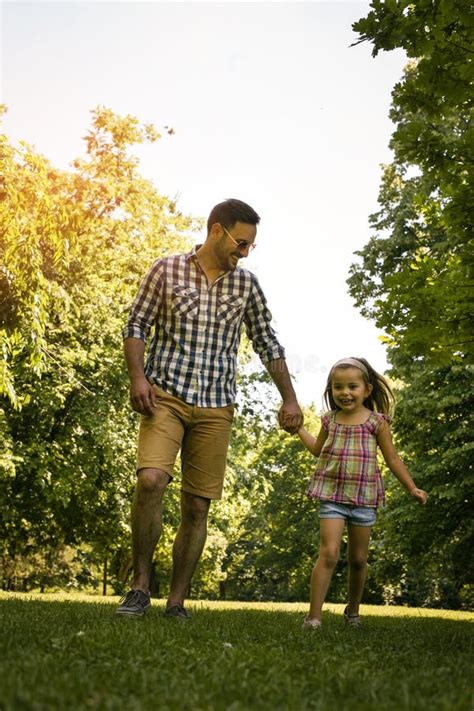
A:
420,495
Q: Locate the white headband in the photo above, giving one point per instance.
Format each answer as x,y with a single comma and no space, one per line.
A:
354,363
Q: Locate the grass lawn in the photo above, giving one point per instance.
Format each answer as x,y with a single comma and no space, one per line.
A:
68,652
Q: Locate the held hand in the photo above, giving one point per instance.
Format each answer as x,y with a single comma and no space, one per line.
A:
290,416
142,396
420,495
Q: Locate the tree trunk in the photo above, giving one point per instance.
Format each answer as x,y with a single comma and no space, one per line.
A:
104,578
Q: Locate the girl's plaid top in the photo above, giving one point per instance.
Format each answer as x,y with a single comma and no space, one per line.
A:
347,471
193,352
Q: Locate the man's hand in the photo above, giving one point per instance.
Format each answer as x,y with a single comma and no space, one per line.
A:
290,416
142,396
420,495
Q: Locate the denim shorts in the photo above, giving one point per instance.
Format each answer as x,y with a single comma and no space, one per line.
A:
356,515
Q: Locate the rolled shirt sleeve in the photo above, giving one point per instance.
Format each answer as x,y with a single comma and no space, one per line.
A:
145,307
257,321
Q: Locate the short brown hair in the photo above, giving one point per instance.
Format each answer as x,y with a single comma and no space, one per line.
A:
229,212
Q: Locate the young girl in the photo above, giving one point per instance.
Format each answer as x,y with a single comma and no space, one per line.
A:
347,480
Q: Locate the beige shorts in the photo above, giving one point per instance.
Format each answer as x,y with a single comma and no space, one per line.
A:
202,434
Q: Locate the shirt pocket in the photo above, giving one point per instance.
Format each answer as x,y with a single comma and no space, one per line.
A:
185,302
229,307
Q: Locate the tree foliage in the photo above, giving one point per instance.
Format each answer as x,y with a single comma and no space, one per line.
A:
73,246
415,279
430,548
416,276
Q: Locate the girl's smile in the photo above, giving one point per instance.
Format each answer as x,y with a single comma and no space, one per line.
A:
349,389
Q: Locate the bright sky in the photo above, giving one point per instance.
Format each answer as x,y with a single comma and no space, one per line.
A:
269,104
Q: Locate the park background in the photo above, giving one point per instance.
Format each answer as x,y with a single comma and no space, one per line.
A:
269,102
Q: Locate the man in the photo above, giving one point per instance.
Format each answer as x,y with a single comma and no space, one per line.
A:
197,303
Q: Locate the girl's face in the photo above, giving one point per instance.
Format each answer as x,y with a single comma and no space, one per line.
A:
349,389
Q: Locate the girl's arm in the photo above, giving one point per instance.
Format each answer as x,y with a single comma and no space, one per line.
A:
395,464
313,444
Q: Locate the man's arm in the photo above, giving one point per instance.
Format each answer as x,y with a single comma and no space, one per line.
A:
265,343
142,395
135,333
290,416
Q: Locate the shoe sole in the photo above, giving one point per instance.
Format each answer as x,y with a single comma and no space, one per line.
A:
131,614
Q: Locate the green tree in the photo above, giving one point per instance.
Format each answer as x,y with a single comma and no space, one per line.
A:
427,552
420,264
74,245
415,279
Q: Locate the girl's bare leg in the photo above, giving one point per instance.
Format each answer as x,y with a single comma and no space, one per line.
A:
357,552
331,530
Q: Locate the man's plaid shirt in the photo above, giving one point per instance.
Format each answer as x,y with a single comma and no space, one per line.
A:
193,352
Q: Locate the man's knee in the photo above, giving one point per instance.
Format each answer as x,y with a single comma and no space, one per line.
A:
152,481
194,508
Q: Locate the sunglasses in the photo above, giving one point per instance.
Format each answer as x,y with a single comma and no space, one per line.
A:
241,244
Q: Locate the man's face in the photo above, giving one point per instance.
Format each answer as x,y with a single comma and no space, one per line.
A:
227,251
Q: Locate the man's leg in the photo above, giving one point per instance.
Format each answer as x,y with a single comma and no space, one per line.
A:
188,545
147,509
203,456
146,529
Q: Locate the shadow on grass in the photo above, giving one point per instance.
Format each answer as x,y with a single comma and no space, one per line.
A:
79,654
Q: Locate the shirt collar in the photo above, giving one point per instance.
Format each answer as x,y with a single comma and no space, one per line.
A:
192,254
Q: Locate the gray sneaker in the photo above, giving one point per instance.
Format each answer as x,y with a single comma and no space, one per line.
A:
177,611
135,603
